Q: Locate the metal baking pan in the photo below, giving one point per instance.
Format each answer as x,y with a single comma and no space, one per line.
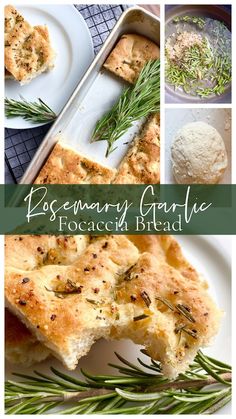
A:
218,12
94,95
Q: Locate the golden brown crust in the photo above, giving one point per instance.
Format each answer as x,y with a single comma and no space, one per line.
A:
130,55
43,30
166,249
104,293
27,253
67,166
149,283
141,164
28,52
33,251
61,322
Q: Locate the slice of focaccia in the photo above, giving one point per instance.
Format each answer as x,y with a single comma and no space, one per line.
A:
65,165
28,253
43,30
28,51
115,291
130,55
141,164
69,307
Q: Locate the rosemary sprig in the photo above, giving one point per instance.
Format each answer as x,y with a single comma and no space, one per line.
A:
139,389
35,112
134,103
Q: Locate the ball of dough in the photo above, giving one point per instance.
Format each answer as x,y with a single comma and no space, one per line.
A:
198,154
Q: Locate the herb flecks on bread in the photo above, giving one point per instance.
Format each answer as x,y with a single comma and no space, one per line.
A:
115,290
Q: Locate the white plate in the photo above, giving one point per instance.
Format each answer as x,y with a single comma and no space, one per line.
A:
176,118
211,256
71,40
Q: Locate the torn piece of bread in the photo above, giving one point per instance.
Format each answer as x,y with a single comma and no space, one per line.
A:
21,347
141,164
115,291
65,165
28,51
172,316
27,253
69,307
130,55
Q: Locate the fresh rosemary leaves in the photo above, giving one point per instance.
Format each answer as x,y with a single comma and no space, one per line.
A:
139,389
196,20
36,112
202,69
134,103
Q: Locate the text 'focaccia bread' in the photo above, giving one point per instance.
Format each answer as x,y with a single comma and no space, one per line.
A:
28,51
130,55
141,164
66,166
114,290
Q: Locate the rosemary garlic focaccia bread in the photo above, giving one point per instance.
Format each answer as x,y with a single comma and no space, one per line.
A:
141,164
28,253
114,290
69,307
130,55
43,30
65,165
28,51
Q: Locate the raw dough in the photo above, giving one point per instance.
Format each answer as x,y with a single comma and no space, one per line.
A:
198,154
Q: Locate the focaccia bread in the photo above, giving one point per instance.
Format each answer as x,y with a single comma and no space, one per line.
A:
65,165
43,30
130,55
167,250
69,307
33,251
29,253
141,164
115,291
28,51
169,314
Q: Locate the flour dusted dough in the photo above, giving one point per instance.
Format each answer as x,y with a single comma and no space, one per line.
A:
198,154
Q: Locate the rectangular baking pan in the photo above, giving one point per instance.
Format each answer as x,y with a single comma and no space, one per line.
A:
94,95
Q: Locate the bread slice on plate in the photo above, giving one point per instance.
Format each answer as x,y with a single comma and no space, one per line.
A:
141,164
130,55
28,50
65,165
115,290
43,30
